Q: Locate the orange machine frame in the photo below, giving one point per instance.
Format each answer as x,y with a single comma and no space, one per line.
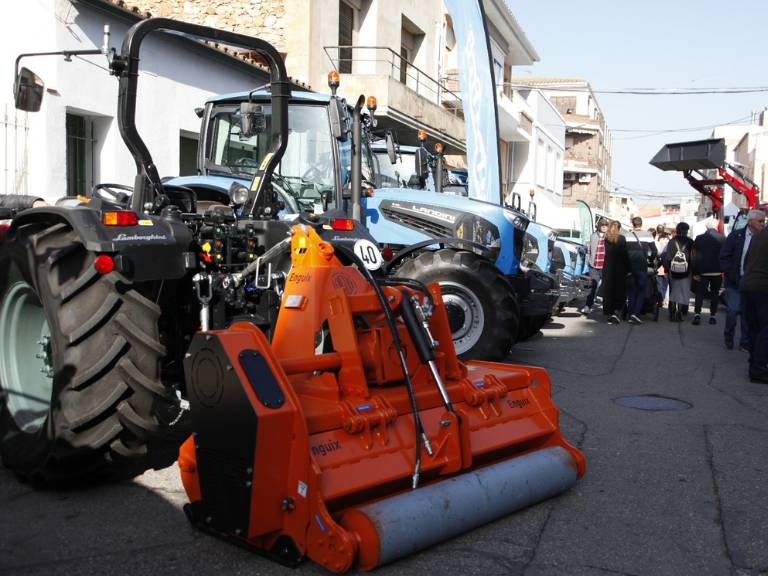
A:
344,434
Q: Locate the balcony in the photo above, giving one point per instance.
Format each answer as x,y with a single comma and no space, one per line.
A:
408,98
515,114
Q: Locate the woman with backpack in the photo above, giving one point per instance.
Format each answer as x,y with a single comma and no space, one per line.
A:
677,263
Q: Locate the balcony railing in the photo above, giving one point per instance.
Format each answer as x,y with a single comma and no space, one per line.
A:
381,60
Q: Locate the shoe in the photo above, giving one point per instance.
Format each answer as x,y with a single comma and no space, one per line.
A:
678,316
729,344
696,320
743,348
759,379
634,320
613,319
712,320
586,310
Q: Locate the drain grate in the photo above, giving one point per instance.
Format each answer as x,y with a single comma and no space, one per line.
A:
653,403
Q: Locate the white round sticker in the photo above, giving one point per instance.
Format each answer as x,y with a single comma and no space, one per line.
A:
369,253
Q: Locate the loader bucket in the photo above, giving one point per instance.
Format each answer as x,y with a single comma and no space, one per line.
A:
307,446
694,155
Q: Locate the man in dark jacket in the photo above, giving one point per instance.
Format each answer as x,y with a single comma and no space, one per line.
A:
642,254
731,262
706,270
754,291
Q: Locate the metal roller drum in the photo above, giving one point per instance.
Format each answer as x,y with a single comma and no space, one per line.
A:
401,525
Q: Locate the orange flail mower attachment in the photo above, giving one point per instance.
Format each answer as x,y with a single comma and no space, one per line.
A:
309,446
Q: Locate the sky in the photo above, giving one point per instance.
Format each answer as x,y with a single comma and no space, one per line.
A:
684,44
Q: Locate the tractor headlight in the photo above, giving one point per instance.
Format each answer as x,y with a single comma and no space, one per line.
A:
238,194
519,221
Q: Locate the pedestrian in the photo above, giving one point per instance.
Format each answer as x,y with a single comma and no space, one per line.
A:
19,202
677,264
642,251
706,270
615,269
732,264
754,291
662,239
596,261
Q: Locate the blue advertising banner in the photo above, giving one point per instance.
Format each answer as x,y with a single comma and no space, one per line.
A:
478,95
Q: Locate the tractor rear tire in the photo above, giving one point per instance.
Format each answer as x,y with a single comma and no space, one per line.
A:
481,303
79,363
530,326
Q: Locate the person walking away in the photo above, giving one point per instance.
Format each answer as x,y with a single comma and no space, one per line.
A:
731,264
615,271
596,261
706,270
677,264
754,291
662,239
642,252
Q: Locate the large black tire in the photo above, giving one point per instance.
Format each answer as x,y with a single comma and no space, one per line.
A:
481,303
92,410
530,326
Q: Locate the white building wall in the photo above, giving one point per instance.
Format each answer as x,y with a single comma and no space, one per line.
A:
173,82
539,163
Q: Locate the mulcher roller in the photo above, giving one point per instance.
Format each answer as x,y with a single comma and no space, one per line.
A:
356,436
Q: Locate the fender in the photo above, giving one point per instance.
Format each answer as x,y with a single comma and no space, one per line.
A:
159,248
457,243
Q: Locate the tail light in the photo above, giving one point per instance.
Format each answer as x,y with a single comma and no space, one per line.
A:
122,218
342,224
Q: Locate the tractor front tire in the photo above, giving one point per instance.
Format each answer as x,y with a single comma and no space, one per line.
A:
481,303
79,362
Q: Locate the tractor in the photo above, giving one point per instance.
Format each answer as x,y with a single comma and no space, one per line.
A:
471,248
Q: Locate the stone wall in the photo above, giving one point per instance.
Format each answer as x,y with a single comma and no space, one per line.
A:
264,19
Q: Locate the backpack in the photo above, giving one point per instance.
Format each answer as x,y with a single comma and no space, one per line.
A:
638,256
679,262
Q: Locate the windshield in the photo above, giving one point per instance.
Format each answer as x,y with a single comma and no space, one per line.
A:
400,173
305,178
388,175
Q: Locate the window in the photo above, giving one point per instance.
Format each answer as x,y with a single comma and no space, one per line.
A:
411,38
77,144
346,28
187,156
550,177
541,163
306,174
405,57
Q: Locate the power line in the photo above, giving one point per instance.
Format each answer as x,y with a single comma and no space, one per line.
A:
652,193
688,129
683,91
647,91
651,133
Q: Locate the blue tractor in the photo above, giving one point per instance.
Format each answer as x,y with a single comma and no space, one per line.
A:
471,248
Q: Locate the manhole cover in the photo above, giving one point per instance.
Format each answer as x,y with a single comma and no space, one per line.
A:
653,403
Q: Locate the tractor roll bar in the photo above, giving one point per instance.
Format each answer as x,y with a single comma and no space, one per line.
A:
148,187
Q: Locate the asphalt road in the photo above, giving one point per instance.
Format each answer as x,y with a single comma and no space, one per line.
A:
666,492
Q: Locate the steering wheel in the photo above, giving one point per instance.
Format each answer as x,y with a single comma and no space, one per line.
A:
279,185
119,193
314,175
247,161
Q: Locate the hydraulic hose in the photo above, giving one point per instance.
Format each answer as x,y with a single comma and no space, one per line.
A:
390,319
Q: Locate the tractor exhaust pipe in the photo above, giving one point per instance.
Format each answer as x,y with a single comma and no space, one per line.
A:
395,527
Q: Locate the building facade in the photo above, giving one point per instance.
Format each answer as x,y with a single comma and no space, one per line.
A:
404,52
74,142
587,165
